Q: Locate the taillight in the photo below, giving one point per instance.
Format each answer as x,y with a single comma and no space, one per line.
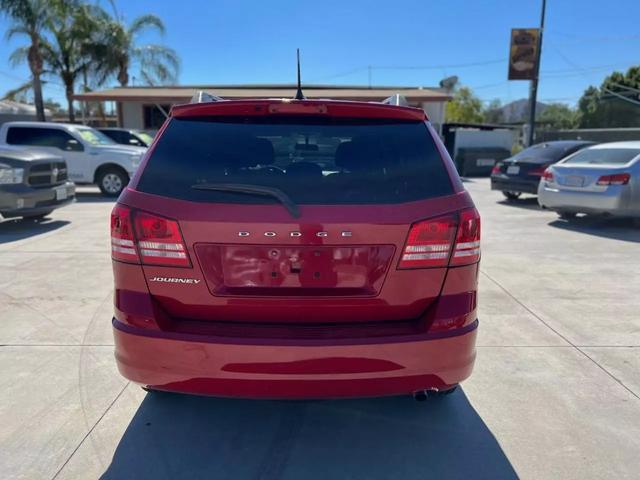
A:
616,179
537,172
467,247
496,168
547,175
160,241
122,241
140,237
430,242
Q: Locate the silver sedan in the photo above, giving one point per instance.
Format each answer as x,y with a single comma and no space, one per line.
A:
603,179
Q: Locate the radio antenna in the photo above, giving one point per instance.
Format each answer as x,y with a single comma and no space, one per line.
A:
299,94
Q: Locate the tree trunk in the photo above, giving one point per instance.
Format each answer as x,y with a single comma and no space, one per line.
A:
37,98
35,65
69,94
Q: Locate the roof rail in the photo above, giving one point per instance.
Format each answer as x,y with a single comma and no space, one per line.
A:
396,99
203,97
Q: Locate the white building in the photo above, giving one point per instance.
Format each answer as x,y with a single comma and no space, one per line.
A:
143,107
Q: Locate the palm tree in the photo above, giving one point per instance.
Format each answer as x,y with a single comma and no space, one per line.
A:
119,52
68,54
29,19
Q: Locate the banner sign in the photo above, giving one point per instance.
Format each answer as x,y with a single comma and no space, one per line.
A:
523,53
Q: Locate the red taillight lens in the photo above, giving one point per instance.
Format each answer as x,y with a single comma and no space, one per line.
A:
430,242
537,172
160,241
140,237
617,179
547,175
122,241
496,168
467,248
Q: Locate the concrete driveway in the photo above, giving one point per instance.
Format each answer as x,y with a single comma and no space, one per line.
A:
555,393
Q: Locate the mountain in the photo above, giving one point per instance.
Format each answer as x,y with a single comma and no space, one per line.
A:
516,111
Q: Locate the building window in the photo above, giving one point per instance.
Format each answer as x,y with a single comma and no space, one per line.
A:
153,116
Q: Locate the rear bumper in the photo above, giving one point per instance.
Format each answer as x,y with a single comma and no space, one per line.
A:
613,201
228,367
513,184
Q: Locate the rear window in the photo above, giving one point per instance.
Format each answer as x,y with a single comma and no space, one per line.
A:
313,161
545,152
593,156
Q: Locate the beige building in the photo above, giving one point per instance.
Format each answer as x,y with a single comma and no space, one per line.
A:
145,107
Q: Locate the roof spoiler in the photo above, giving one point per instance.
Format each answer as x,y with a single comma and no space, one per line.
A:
396,99
203,97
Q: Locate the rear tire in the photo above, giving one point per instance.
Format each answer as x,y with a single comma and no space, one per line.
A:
112,181
567,215
512,195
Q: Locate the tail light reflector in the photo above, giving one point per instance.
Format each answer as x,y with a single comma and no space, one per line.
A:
429,243
547,175
616,179
496,168
449,240
122,241
140,237
467,247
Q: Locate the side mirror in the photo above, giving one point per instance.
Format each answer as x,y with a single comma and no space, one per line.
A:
73,145
135,141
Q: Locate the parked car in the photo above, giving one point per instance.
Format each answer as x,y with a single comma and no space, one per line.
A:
91,156
602,179
295,249
126,136
32,184
521,173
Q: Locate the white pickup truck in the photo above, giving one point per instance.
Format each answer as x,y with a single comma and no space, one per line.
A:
91,156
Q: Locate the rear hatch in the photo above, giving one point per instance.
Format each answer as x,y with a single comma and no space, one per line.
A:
292,219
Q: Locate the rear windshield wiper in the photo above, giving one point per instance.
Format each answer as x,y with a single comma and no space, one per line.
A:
261,190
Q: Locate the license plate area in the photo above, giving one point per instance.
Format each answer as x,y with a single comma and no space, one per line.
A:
573,181
294,270
485,162
513,170
61,193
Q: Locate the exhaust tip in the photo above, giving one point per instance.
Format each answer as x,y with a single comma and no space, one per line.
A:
421,395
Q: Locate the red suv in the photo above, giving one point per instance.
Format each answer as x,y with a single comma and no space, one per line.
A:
296,249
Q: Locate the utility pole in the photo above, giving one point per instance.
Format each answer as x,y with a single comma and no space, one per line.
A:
533,92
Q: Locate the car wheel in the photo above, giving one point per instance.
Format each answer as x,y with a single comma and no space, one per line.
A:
112,181
512,195
567,215
39,216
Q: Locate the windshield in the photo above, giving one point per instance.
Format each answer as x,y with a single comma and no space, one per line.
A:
145,137
310,160
94,137
617,156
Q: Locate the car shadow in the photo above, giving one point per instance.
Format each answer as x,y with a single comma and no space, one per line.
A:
93,197
12,230
181,436
528,203
606,227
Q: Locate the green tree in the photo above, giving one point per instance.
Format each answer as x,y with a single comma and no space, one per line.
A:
493,112
615,104
117,47
557,116
465,107
28,18
68,54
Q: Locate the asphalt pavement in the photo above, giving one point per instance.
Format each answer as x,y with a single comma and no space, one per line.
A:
555,393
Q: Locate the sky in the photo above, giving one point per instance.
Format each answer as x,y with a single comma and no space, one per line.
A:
406,43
